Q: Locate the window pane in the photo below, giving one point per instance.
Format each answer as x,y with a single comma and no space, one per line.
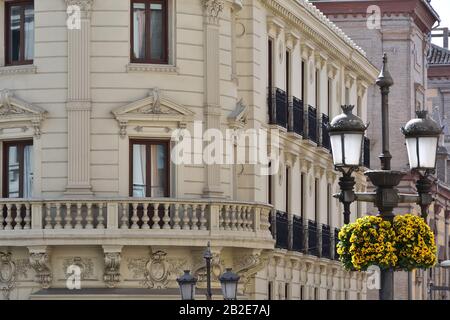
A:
156,32
29,32
28,172
158,170
139,172
14,34
13,172
139,30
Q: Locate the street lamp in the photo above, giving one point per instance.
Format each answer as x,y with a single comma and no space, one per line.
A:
422,135
229,281
187,284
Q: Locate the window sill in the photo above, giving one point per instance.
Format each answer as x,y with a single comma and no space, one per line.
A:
142,67
20,69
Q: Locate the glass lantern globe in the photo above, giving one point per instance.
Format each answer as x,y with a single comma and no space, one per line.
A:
347,136
187,284
229,281
422,137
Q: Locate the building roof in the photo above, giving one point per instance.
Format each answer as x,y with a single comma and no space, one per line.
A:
438,55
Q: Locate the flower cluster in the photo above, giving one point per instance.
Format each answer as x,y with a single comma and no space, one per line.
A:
415,242
406,244
368,241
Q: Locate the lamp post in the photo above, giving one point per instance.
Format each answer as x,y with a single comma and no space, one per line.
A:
228,281
346,132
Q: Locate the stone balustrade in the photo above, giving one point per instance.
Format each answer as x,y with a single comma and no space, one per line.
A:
129,217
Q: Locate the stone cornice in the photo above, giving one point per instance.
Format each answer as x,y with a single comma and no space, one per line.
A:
422,13
325,35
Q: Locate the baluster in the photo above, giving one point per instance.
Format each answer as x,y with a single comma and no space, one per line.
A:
248,218
58,216
186,218
2,219
89,217
155,218
194,217
18,220
240,221
79,217
222,212
48,216
100,218
203,220
69,220
145,217
166,218
176,218
134,217
124,219
27,218
228,217
8,219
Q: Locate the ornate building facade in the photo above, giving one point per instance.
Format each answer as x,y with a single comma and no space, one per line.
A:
91,93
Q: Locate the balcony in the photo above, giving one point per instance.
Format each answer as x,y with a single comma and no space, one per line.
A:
326,143
366,153
281,231
142,221
278,107
312,124
326,242
313,237
298,235
298,116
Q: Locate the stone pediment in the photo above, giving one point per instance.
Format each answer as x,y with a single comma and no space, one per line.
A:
154,108
15,112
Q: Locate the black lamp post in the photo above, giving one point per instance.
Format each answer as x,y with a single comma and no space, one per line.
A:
208,256
346,131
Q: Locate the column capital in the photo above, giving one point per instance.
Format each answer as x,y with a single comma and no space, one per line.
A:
212,10
85,7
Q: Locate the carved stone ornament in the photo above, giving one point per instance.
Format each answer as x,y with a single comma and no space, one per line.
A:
84,6
217,267
237,119
17,113
213,8
40,263
7,274
247,265
112,269
156,271
86,266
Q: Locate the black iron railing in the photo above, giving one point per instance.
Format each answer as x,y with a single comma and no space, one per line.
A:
336,241
366,153
313,247
298,238
278,107
312,124
326,241
298,114
282,230
325,135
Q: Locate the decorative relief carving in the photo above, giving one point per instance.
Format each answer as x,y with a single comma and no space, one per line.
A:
7,274
86,266
156,271
112,269
84,5
238,117
40,262
217,267
213,9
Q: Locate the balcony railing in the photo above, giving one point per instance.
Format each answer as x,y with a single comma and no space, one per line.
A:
312,124
278,107
298,116
160,216
282,230
298,234
313,243
366,153
326,143
326,242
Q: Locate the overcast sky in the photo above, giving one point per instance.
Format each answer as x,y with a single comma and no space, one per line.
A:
443,9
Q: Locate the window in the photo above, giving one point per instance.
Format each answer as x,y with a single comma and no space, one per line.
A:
287,294
270,64
19,35
302,194
269,186
303,80
18,169
330,96
316,199
269,290
317,87
328,204
287,189
149,168
149,31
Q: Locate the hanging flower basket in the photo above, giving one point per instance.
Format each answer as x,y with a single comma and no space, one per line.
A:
406,245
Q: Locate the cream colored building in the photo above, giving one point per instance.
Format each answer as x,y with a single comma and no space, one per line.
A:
91,94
